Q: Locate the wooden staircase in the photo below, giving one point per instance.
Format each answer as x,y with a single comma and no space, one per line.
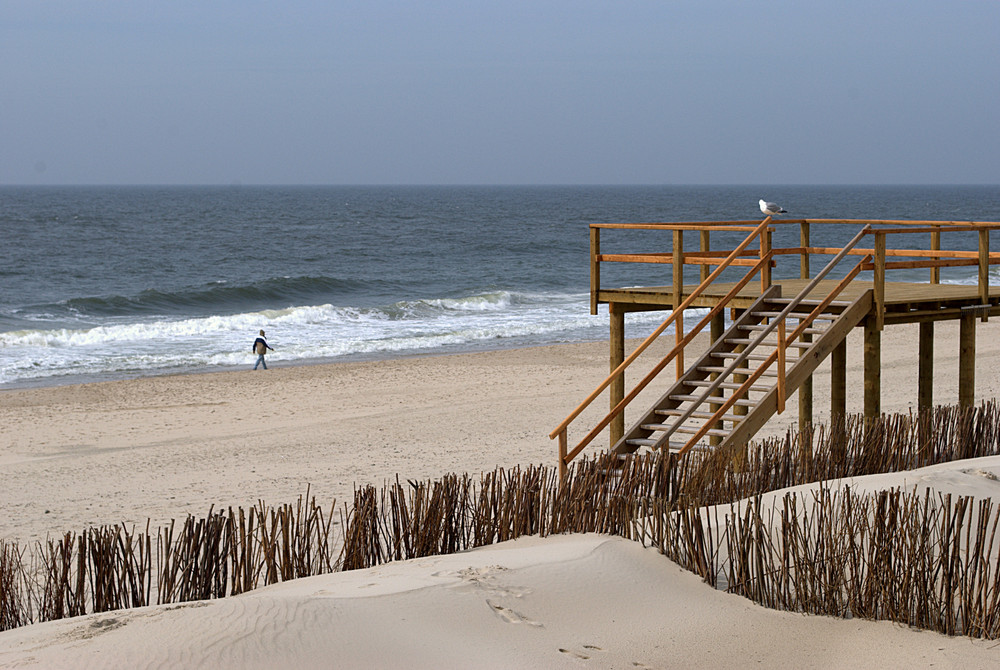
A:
731,391
744,377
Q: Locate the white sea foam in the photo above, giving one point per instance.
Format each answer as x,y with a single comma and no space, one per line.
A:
306,332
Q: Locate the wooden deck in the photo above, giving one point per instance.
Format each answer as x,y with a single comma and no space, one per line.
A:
904,302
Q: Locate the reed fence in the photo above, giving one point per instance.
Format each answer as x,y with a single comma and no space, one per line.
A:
922,560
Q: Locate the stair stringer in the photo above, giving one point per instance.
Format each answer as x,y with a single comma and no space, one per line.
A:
803,368
693,373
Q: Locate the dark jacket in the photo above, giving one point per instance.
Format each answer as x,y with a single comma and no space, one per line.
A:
260,346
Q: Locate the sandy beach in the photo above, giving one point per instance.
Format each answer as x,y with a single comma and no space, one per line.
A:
159,448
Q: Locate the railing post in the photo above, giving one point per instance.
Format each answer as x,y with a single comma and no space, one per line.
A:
679,295
984,270
563,446
616,390
804,243
879,280
704,246
595,267
936,246
765,249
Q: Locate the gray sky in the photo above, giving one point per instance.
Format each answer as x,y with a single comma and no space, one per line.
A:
512,92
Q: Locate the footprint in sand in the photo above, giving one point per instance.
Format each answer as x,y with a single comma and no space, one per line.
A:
580,654
510,616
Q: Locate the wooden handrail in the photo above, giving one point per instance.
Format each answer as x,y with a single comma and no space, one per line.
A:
783,345
665,361
742,356
658,331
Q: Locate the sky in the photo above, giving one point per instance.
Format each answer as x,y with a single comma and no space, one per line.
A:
512,92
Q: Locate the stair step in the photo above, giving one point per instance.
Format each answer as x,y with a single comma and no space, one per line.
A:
738,371
798,317
734,354
760,326
731,418
809,302
672,446
692,430
742,402
705,383
689,430
746,340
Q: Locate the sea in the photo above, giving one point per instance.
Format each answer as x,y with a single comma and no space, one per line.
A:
116,282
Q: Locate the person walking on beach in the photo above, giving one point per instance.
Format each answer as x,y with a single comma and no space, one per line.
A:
260,347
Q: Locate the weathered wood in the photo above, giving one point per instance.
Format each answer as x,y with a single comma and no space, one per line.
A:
781,365
617,357
804,255
838,380
718,327
873,367
879,261
695,371
803,368
595,267
894,302
967,359
679,296
765,250
984,270
704,245
668,259
563,442
806,396
936,246
925,366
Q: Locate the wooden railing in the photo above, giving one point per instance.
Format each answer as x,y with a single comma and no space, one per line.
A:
675,318
780,352
760,261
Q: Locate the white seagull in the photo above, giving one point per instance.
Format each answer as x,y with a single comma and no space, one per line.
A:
770,208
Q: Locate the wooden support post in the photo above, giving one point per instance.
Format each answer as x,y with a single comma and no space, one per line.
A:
838,380
925,366
967,359
595,267
873,368
678,262
984,271
838,400
717,328
925,389
879,280
806,390
617,387
936,246
806,397
781,366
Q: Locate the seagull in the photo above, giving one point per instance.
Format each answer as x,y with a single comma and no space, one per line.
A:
770,208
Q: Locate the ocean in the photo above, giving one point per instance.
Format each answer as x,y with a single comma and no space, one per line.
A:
110,282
